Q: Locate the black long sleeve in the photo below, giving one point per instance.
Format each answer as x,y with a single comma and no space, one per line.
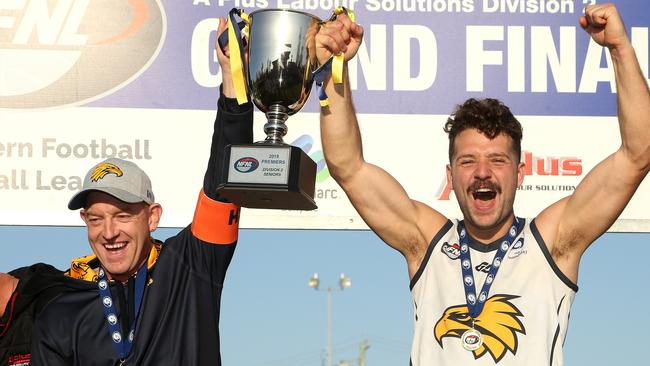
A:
233,125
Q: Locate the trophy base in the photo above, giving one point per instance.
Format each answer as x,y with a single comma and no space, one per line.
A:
271,176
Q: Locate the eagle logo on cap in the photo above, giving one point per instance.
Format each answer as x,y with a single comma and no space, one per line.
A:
498,323
103,170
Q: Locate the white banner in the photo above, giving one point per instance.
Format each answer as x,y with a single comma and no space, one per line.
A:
45,154
82,80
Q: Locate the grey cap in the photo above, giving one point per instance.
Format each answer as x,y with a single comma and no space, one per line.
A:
120,178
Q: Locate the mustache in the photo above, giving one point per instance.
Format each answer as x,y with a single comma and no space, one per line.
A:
486,183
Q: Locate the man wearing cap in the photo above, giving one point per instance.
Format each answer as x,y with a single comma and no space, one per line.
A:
147,302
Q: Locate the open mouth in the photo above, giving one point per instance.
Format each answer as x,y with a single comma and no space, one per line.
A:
113,247
484,194
484,190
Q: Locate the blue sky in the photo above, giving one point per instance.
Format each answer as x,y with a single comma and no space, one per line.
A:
270,317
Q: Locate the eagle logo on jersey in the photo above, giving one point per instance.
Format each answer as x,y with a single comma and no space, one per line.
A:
103,170
498,323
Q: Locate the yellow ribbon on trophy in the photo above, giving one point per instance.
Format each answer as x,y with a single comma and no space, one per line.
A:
237,53
334,65
337,62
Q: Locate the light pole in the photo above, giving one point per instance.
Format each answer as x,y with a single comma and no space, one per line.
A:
344,282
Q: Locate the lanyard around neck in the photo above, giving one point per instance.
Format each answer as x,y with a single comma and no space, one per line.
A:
110,312
476,302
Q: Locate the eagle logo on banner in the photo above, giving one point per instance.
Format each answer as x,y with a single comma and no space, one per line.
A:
103,170
498,323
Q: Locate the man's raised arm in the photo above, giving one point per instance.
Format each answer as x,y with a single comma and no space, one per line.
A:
214,221
233,125
572,224
402,223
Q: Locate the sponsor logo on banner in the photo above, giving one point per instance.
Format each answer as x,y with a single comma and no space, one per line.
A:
305,143
246,165
537,166
72,52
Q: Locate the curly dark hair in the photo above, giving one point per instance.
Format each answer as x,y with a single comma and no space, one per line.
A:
489,116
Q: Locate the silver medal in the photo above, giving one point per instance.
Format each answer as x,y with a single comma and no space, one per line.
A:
471,339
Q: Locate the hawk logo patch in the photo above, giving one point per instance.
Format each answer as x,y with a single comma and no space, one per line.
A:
80,269
103,170
498,323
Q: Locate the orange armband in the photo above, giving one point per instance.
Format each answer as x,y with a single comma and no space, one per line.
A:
215,222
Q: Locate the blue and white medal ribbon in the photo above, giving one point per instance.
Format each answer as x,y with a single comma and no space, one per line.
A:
110,312
472,339
319,76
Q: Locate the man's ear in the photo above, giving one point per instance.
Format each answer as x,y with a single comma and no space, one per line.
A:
155,212
521,172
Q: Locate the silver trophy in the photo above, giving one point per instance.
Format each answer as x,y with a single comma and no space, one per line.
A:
281,58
